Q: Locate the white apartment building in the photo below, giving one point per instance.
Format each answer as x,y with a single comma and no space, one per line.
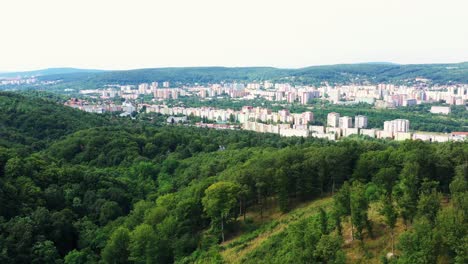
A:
440,110
360,121
397,125
345,122
333,119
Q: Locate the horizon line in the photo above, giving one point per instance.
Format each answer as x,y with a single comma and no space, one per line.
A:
224,66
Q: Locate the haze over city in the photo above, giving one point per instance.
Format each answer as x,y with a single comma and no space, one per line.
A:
298,33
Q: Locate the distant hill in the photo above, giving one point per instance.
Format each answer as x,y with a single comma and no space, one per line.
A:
333,74
44,72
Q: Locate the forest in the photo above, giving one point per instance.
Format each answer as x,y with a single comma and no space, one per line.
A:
360,73
84,188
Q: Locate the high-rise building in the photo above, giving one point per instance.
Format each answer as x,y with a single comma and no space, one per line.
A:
267,84
166,84
333,119
360,121
305,98
345,122
142,87
397,125
279,96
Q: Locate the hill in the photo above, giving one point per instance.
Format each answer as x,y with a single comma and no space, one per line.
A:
34,122
333,74
45,72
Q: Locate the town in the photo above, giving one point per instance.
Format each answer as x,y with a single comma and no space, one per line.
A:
284,123
381,95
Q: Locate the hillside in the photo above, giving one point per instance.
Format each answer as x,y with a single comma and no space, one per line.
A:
44,72
274,231
104,190
35,122
334,74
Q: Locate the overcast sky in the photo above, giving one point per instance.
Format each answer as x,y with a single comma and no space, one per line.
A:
124,34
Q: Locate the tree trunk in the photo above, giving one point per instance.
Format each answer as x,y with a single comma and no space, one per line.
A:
261,210
393,241
333,187
222,229
240,207
352,228
245,209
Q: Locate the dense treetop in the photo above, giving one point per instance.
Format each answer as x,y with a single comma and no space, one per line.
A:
102,190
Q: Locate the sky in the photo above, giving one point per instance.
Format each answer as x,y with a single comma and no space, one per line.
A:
129,34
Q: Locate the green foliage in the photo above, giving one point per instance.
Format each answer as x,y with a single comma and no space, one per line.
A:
98,189
429,201
358,206
301,242
220,199
326,252
419,245
406,191
34,123
45,252
117,248
143,245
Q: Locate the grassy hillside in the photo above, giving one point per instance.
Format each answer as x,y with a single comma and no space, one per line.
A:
270,234
273,223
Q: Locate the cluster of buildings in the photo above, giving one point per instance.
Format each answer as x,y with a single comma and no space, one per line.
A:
133,92
343,126
381,95
108,106
284,123
246,114
25,81
17,81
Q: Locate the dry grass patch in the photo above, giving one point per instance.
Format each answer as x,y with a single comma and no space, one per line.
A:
234,254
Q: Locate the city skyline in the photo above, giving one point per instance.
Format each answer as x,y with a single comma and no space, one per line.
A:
119,35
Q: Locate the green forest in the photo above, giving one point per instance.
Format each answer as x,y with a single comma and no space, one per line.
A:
339,74
84,188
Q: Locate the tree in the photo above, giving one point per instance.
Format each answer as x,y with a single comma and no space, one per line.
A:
80,257
459,189
117,247
429,201
143,245
220,198
109,211
282,181
451,221
328,250
323,219
342,206
45,252
419,245
390,218
406,192
452,228
244,193
385,179
359,206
